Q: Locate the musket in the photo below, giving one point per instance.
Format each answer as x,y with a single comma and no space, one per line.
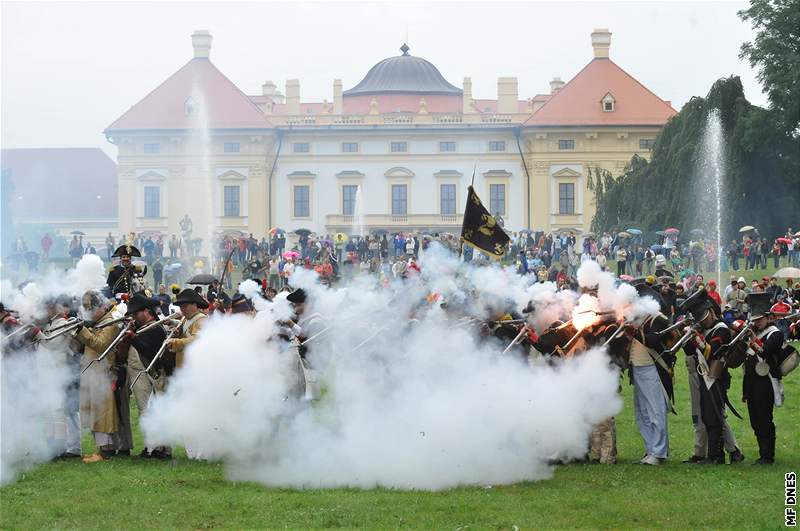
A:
378,331
160,352
517,339
21,329
616,334
153,324
681,342
71,324
109,323
683,322
108,349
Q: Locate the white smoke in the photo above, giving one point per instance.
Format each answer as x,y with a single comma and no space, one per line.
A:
33,379
408,400
32,389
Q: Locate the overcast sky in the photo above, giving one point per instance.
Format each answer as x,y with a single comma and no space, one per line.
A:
70,69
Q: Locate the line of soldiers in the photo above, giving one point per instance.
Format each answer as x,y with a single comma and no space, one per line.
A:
648,348
113,358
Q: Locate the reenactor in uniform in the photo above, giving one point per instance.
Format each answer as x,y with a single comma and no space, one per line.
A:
242,305
762,374
120,278
66,427
191,303
98,406
712,335
140,349
652,382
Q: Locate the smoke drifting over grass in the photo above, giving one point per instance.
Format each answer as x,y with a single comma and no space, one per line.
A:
33,380
409,400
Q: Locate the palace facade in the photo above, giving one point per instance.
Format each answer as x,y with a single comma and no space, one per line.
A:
396,151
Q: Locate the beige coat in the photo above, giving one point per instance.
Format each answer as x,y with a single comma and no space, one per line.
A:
187,334
98,409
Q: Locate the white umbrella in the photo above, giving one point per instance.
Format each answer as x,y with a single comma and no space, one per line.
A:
787,272
747,228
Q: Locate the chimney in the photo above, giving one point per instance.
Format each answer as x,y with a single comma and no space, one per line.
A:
292,96
507,95
467,106
601,42
268,91
337,96
201,42
556,85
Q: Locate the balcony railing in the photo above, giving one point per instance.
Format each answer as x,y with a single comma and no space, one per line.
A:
401,118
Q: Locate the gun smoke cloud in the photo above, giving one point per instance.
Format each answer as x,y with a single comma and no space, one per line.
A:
408,400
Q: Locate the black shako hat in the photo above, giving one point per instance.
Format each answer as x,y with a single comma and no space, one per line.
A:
241,304
126,250
698,303
139,302
759,304
190,296
297,296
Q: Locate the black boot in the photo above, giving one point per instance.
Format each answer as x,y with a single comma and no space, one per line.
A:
736,456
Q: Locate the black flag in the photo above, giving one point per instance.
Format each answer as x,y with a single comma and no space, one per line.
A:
480,229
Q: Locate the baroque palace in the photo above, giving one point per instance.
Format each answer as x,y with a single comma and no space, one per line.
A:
396,151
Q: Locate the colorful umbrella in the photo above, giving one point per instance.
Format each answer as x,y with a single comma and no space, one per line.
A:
671,230
274,231
626,278
340,237
787,241
291,254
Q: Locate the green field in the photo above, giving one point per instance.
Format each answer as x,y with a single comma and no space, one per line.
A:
137,493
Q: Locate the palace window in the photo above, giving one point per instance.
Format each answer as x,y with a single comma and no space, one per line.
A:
349,147
646,143
231,147
566,198
302,201
399,147
349,192
447,199
152,202
566,144
447,146
497,145
608,103
301,147
231,201
152,148
497,199
399,199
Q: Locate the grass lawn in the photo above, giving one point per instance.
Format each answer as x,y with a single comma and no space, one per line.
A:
136,493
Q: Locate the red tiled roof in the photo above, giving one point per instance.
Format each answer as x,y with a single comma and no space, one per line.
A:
61,183
578,102
227,107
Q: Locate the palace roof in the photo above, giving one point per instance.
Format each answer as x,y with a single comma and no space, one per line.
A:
178,103
579,102
403,74
61,183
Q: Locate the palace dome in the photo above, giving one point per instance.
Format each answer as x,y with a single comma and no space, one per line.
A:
403,74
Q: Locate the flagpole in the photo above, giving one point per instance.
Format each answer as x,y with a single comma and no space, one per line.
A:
471,185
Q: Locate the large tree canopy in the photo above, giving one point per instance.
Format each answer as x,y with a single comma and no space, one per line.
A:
761,186
776,53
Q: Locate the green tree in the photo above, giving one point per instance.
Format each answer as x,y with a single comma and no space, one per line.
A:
761,182
775,52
